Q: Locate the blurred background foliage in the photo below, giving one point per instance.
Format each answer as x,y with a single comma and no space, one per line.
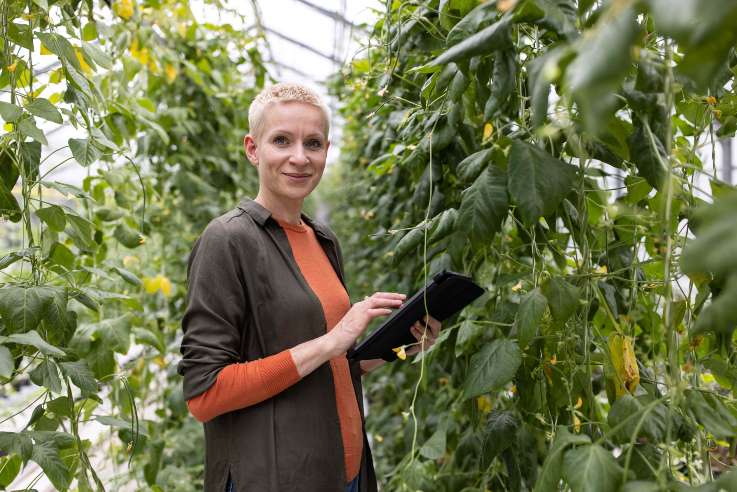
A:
556,150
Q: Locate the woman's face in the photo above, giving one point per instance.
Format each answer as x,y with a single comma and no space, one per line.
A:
290,151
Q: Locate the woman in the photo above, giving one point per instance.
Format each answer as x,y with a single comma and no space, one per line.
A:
269,321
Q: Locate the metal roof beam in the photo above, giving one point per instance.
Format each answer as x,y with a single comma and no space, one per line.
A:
332,14
303,45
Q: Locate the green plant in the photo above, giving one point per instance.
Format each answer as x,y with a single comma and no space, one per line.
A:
553,149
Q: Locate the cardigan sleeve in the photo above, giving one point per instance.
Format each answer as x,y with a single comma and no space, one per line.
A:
216,310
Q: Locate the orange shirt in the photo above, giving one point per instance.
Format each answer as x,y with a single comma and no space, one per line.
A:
240,385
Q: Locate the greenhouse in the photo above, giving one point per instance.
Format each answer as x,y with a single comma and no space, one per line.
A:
327,246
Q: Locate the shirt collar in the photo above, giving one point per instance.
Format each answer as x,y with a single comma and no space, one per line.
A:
261,215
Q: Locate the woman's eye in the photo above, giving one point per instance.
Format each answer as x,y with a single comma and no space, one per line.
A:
280,140
314,144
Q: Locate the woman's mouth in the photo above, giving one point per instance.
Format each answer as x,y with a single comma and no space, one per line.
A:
298,177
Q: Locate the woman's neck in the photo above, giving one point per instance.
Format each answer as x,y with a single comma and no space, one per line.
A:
289,212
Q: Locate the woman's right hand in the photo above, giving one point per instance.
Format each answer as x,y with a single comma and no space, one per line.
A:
358,317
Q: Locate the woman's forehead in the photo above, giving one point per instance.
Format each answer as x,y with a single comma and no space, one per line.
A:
294,116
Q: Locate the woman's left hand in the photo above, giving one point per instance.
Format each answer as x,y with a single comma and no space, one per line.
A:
431,328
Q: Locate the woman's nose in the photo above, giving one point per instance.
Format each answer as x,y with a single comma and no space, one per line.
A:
299,156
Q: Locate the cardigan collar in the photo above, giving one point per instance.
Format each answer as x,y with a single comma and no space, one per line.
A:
261,215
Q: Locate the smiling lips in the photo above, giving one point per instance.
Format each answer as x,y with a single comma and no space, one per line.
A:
297,176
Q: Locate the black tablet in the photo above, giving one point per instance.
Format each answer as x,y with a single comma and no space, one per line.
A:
447,293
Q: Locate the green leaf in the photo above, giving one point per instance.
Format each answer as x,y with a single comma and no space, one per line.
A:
592,79
60,406
62,48
484,206
67,189
22,308
80,375
59,322
434,448
114,333
84,151
713,250
494,37
80,229
591,464
481,16
551,472
7,364
33,339
44,109
21,34
18,443
30,153
709,411
408,243
46,454
529,315
721,315
562,298
470,167
54,216
61,255
9,469
629,413
8,204
97,55
503,79
10,112
444,224
128,276
47,374
492,367
648,154
28,128
500,434
538,182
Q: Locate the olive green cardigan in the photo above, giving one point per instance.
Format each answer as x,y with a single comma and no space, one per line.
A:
247,300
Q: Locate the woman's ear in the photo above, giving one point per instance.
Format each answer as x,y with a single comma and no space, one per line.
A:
249,145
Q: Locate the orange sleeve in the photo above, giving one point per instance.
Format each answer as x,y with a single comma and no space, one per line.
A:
243,384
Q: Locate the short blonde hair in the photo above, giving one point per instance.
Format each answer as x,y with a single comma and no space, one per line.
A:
284,92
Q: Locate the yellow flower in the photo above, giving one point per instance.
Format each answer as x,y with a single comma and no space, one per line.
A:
484,404
171,73
505,5
602,269
11,67
8,127
711,100
579,403
141,239
157,283
401,354
123,8
488,130
516,287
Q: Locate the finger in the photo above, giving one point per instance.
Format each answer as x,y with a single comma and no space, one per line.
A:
389,295
434,325
373,303
375,312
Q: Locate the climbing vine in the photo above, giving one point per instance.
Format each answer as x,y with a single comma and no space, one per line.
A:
557,151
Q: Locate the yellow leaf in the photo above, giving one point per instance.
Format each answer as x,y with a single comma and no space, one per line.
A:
626,373
123,9
484,404
576,423
171,73
85,66
488,130
554,360
579,403
401,354
44,50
